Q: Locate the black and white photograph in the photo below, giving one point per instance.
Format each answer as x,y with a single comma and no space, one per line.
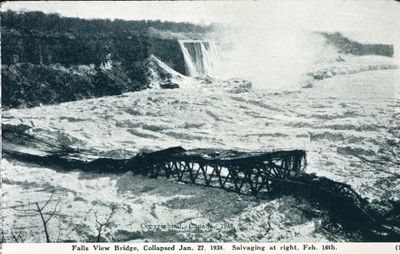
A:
200,122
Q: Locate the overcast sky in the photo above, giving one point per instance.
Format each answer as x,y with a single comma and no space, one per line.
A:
380,18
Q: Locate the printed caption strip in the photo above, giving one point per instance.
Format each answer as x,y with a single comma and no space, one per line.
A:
217,248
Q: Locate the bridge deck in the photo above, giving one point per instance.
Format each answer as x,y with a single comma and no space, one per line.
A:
241,172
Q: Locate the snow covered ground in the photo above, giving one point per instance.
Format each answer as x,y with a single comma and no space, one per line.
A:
329,119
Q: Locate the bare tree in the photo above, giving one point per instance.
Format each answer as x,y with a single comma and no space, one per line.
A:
45,221
3,234
18,236
268,229
3,237
45,216
64,233
105,224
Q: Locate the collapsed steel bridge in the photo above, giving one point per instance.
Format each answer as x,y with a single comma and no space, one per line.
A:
241,172
262,174
265,174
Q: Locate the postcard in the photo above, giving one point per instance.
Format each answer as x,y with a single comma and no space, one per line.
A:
200,127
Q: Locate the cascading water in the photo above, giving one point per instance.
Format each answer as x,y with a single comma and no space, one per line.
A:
200,57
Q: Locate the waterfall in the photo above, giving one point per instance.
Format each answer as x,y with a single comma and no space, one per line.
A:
200,57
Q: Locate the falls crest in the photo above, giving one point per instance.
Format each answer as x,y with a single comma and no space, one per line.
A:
200,57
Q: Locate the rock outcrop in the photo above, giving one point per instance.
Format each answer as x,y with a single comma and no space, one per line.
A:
347,46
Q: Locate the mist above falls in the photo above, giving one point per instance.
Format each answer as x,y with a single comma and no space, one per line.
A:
272,59
276,59
274,44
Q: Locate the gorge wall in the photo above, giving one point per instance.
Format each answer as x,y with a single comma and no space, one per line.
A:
347,46
40,68
168,51
50,59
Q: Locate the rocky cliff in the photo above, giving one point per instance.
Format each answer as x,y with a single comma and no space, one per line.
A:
50,59
347,46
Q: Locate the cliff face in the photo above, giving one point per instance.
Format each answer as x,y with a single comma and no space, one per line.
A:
347,46
75,58
29,85
40,68
40,48
169,51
